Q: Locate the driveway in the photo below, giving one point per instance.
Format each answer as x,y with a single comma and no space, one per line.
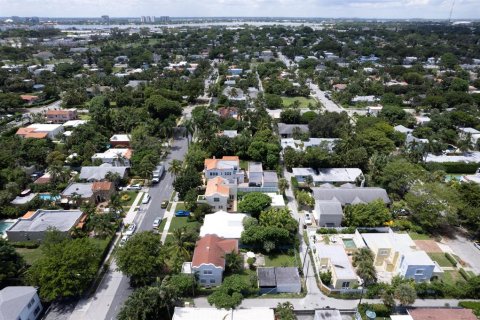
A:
465,249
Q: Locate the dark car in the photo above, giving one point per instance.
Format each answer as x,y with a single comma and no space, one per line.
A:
182,213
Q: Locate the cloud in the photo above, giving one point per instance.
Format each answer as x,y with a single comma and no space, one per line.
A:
285,8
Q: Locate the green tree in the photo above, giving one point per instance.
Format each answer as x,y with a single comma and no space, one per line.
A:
254,203
280,218
233,262
373,214
399,175
406,294
283,185
284,311
188,179
66,269
175,167
141,258
11,263
162,108
231,293
363,260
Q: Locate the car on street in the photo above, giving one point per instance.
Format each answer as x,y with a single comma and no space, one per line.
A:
146,198
131,229
164,204
157,222
134,187
308,219
123,240
182,213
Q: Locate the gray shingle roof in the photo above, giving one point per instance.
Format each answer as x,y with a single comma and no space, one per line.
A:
99,173
287,275
13,300
84,190
350,195
266,277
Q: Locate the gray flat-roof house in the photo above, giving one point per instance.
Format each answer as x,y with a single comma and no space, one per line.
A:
259,180
329,175
287,130
328,314
279,280
33,225
19,303
98,173
328,213
350,195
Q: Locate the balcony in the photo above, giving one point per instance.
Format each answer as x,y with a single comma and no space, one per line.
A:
202,199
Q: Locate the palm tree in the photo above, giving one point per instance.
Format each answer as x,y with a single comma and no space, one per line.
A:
180,244
363,260
308,181
113,177
362,254
175,168
101,225
189,129
283,185
116,204
233,262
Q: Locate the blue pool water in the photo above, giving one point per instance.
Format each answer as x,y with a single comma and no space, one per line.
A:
47,197
4,225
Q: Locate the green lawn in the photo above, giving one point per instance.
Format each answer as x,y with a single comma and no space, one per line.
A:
84,116
180,206
419,236
280,260
162,225
30,255
129,202
287,101
452,277
440,258
180,222
244,164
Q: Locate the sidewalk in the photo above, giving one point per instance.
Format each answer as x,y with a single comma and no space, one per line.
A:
169,214
132,212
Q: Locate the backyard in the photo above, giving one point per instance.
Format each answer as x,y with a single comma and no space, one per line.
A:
287,101
282,260
441,259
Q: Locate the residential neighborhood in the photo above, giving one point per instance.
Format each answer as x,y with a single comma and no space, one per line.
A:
237,169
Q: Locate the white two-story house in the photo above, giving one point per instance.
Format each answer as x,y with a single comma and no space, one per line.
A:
208,261
20,303
219,194
228,168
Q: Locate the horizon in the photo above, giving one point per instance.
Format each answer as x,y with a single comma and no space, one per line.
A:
307,9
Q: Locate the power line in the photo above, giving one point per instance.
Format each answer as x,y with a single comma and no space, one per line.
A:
451,11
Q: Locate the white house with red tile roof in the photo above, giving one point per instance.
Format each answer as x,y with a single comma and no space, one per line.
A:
209,259
219,194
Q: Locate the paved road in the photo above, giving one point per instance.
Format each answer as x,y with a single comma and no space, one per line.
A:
327,103
465,249
159,192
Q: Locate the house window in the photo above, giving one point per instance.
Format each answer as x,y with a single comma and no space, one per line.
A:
203,281
37,310
207,272
419,272
216,199
345,284
220,207
30,303
212,280
228,173
383,252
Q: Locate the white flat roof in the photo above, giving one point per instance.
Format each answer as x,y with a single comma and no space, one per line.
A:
277,200
473,157
223,224
44,127
222,314
338,259
74,123
111,153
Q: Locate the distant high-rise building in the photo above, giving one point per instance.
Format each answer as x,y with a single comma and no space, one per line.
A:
105,19
164,19
147,19
143,19
33,20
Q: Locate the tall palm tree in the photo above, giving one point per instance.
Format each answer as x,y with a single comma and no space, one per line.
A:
113,177
189,129
283,185
175,168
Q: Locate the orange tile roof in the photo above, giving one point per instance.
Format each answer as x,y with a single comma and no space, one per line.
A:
211,249
101,186
441,314
58,112
24,131
28,97
28,214
128,154
217,185
36,135
212,163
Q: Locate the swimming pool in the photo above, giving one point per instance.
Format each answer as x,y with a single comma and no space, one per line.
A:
4,225
48,197
349,243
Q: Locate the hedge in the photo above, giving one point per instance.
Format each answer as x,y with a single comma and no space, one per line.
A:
26,244
451,259
464,274
294,183
453,167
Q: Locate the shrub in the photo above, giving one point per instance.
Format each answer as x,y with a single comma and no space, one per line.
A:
464,274
326,278
453,167
125,197
451,259
294,183
26,244
327,231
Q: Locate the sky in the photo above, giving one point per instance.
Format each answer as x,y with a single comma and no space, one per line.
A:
388,9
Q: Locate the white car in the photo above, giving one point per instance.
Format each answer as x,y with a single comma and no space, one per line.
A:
131,229
124,240
146,199
157,222
134,187
308,219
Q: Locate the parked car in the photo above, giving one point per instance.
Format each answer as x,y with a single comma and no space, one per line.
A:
308,219
164,204
156,222
182,213
134,187
131,229
146,199
123,240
